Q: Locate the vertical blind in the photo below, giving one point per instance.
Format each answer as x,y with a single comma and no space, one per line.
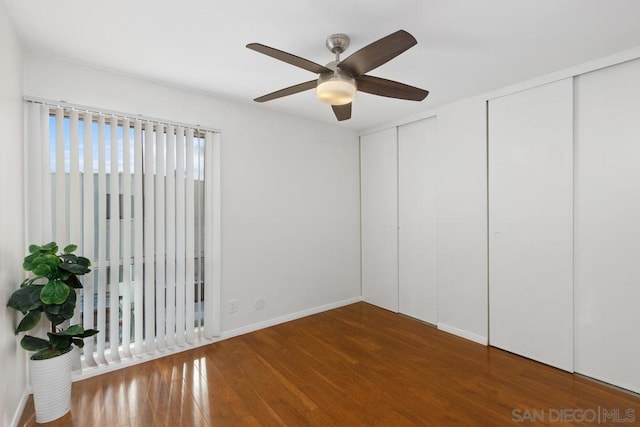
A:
141,199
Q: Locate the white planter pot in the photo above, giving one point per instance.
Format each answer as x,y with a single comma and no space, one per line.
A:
51,382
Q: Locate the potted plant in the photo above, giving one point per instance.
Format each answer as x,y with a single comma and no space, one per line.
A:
51,291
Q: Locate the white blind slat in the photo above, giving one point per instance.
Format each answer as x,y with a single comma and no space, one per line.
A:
208,235
75,233
114,243
180,237
102,241
47,179
74,177
190,248
215,272
61,191
126,239
88,229
199,236
160,237
33,182
138,239
149,241
170,233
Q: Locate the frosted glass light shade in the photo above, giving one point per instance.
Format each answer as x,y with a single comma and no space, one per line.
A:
336,89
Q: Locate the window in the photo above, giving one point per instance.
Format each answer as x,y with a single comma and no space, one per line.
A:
141,199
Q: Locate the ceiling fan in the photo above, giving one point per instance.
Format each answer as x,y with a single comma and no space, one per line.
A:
339,80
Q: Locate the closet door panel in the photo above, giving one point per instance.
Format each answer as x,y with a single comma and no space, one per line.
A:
417,157
607,225
531,222
463,297
379,193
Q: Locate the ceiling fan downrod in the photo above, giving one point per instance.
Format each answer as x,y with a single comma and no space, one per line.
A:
338,43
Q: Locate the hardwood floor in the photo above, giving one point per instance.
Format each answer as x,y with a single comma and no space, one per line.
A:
355,365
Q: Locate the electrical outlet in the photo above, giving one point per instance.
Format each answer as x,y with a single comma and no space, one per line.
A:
261,303
233,305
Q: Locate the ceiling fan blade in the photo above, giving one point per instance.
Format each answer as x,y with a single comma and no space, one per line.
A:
377,53
288,91
342,112
390,89
289,58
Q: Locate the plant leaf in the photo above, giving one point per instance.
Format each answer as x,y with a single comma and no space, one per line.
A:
28,260
58,313
73,281
76,331
50,353
55,292
52,261
25,299
33,343
72,330
51,247
29,321
88,333
59,341
68,307
74,268
56,319
53,308
37,259
84,261
34,249
42,270
70,249
34,299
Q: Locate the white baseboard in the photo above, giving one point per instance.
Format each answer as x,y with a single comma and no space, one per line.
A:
289,317
20,409
463,334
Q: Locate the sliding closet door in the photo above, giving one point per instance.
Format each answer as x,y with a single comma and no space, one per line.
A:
530,223
607,225
417,146
379,192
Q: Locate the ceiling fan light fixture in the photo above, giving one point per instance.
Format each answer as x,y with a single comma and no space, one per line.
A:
336,88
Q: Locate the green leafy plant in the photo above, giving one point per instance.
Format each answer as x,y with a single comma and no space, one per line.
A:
50,291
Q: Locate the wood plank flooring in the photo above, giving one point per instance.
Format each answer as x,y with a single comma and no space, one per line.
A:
353,366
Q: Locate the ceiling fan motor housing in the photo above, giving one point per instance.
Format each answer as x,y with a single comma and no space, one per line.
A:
338,43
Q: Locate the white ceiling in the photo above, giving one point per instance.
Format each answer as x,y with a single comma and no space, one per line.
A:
465,47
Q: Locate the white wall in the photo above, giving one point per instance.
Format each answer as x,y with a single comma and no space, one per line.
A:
290,188
462,220
12,358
